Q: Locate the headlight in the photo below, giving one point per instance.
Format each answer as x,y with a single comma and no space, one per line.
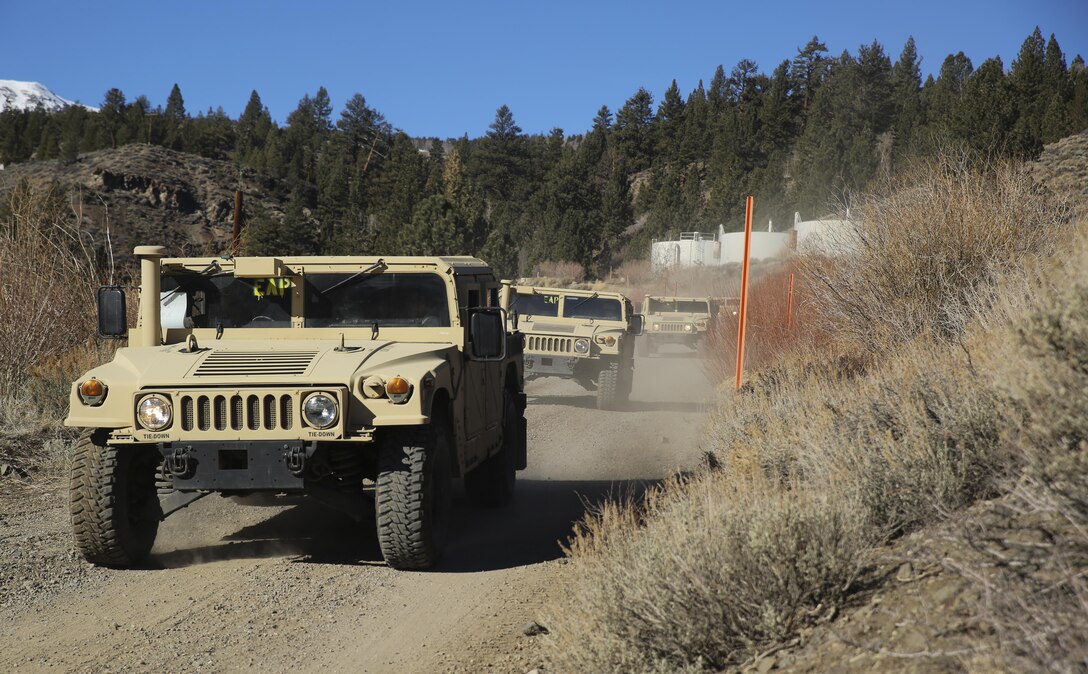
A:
320,410
657,326
154,412
581,346
92,392
398,389
688,327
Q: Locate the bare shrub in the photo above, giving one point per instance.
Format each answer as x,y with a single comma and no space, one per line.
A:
706,573
47,282
47,320
566,272
1037,593
926,242
767,336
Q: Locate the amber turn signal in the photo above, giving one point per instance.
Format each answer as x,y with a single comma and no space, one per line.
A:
396,386
398,389
92,392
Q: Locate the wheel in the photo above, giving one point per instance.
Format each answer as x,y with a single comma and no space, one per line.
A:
114,504
412,496
491,484
625,385
608,388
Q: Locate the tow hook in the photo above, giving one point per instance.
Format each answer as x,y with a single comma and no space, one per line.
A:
179,463
296,460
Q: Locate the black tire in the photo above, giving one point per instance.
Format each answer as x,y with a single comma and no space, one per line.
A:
625,386
491,484
412,496
113,501
608,388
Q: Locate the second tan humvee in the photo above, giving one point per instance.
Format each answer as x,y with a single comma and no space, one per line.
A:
580,334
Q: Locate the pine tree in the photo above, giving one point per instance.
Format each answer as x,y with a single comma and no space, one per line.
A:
874,87
670,121
985,114
634,130
1078,74
175,105
809,69
941,98
906,98
112,114
500,160
1028,79
717,95
1056,121
695,143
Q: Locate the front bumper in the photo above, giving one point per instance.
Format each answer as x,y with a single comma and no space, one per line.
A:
538,365
237,466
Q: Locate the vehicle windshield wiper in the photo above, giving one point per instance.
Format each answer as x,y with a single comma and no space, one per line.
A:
567,310
380,264
206,271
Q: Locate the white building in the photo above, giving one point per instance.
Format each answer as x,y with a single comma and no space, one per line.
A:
711,249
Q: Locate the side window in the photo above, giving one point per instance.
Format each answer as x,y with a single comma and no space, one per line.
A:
493,296
474,297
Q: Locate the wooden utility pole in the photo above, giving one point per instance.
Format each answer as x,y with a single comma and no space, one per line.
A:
749,206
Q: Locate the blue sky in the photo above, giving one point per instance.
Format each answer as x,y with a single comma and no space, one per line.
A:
442,68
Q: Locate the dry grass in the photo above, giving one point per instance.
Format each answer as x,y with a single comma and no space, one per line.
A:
837,445
1037,596
703,574
565,273
928,246
47,322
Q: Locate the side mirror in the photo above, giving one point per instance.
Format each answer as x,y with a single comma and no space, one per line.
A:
487,331
514,316
112,317
637,326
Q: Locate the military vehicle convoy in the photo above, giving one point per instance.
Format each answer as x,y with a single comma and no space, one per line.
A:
365,383
580,334
677,320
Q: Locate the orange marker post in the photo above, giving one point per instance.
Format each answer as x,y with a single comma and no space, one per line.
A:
789,305
749,206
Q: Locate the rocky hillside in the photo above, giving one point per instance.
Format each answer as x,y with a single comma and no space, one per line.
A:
150,195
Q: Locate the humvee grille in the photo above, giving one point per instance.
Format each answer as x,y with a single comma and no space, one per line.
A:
550,344
241,363
672,327
204,412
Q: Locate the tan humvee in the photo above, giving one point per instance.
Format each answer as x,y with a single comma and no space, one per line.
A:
678,320
360,381
581,334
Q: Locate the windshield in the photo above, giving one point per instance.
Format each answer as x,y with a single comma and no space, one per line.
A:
193,300
383,299
663,306
593,307
536,305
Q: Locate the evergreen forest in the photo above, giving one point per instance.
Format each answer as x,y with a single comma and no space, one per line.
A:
802,138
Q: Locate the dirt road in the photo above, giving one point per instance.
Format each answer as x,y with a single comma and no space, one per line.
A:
300,588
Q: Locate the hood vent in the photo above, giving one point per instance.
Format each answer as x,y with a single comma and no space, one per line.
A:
261,363
553,327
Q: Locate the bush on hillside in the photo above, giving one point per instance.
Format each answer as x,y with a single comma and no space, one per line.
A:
927,247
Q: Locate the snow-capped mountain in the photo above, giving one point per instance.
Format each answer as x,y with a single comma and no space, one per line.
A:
28,95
